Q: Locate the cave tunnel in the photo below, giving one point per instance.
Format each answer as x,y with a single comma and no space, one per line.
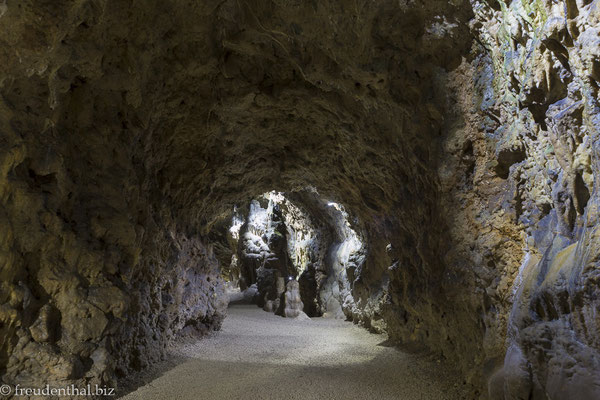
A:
276,199
272,243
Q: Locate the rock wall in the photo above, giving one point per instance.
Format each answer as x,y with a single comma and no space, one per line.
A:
517,202
97,275
94,285
338,257
537,133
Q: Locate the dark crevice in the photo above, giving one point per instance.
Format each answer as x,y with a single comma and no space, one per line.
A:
582,194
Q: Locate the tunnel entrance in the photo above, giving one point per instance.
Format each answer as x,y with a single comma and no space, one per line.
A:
295,251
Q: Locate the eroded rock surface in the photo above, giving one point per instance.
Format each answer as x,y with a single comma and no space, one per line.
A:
525,187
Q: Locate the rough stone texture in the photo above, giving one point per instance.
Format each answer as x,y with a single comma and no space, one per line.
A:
263,249
522,174
293,303
340,257
460,137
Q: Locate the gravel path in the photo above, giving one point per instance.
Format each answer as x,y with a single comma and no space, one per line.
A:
258,355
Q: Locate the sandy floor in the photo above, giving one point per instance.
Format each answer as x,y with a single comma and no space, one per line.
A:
258,355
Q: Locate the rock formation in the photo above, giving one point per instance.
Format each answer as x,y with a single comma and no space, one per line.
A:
293,303
457,139
281,241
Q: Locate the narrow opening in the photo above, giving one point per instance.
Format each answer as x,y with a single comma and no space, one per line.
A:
284,248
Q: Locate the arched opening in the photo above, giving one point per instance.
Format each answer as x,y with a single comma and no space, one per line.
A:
274,240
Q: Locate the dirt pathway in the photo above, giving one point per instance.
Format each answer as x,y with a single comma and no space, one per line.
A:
258,355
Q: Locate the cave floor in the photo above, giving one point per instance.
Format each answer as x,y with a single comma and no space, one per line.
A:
258,355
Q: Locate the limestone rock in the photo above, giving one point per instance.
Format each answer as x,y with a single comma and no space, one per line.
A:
293,304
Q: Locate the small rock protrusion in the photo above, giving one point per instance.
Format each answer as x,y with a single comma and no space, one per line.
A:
44,327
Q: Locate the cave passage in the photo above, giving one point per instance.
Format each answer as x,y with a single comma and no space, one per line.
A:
422,169
294,255
289,261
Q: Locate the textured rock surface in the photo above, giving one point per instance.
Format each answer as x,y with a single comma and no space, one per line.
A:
460,137
540,126
293,304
